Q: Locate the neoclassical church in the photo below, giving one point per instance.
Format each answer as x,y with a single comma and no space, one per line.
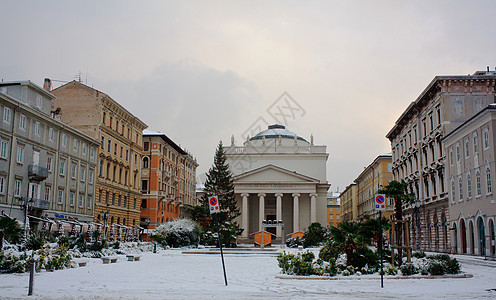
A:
278,175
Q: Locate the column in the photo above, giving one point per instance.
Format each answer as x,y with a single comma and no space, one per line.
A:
244,216
313,208
261,210
296,212
279,214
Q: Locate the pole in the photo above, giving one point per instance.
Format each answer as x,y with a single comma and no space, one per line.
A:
31,277
220,246
380,247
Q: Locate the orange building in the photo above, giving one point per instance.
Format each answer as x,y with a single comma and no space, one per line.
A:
164,171
333,210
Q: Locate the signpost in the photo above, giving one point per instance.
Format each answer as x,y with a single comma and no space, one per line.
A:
213,204
380,205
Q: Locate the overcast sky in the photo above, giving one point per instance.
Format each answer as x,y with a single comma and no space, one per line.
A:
201,71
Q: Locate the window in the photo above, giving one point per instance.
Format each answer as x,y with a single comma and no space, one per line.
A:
467,150
103,118
453,193
62,167
20,155
6,115
39,101
122,150
101,169
485,135
102,143
458,153
92,152
73,170
489,187
109,145
83,174
64,140
49,163
146,146
81,200
60,196
478,183
84,149
4,146
469,186
89,202
331,217
91,176
115,148
17,188
47,193
127,154
460,189
2,185
72,198
75,145
37,128
51,134
145,162
22,122
475,144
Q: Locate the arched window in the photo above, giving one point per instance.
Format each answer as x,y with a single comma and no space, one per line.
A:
478,182
489,186
145,162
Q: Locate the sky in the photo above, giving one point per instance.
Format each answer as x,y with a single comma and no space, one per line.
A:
203,71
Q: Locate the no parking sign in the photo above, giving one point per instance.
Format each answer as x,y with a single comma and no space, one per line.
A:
213,203
380,202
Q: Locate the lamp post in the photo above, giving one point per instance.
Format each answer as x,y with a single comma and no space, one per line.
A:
104,214
417,224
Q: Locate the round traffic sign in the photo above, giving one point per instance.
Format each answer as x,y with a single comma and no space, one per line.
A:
213,201
379,199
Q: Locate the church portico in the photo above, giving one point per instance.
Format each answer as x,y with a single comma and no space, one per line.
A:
278,176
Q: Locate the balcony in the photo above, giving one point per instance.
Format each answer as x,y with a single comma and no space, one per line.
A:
166,174
37,203
37,173
174,179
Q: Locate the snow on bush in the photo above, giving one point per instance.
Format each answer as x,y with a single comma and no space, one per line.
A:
177,233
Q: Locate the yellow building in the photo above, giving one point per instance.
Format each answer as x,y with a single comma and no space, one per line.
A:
118,177
349,203
376,176
333,210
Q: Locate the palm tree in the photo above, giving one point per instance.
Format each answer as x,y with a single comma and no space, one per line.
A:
347,235
399,192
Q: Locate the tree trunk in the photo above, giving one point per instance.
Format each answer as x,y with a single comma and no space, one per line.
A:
398,213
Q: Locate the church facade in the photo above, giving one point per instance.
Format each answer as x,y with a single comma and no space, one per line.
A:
279,175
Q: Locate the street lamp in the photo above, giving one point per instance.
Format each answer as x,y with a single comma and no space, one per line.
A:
104,214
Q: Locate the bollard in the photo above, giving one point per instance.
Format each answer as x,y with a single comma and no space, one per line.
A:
31,276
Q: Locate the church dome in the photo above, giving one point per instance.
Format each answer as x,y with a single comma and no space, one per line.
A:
276,131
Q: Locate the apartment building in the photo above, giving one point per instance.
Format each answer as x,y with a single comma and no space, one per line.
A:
349,203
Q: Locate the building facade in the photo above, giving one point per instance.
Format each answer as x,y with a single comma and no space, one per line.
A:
188,185
166,168
373,178
349,203
279,176
418,154
333,210
119,153
45,165
470,169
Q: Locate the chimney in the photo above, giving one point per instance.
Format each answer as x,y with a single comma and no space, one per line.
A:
47,86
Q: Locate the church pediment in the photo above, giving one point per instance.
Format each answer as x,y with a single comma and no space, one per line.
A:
273,174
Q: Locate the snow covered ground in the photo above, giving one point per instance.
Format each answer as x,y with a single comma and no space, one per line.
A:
170,274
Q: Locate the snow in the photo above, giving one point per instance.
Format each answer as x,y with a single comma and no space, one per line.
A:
170,274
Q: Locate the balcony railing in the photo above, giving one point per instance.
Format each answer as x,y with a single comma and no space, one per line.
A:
37,203
37,173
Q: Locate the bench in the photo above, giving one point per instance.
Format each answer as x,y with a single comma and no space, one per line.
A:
82,263
113,260
130,257
106,260
137,258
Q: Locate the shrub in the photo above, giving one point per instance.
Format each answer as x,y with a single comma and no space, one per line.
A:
436,268
391,270
63,241
294,242
408,269
284,261
330,251
34,242
420,254
301,264
12,231
314,235
452,266
177,233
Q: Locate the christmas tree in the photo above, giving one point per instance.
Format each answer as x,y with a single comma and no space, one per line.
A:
219,182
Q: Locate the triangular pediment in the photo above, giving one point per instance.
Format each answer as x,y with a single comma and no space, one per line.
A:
271,173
